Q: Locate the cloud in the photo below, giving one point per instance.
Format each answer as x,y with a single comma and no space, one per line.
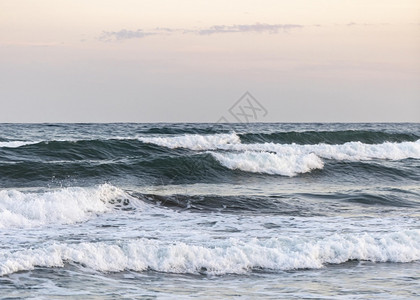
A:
258,27
166,29
124,34
350,24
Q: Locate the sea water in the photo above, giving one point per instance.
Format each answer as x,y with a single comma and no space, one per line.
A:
105,211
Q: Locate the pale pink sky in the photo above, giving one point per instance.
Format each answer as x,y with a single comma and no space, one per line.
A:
147,61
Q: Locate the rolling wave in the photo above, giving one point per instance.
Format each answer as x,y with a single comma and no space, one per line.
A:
297,204
194,141
62,206
201,156
184,136
285,159
353,151
206,199
269,163
347,151
15,144
231,256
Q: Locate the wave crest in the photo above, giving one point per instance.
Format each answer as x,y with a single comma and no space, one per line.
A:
194,141
229,256
353,151
16,144
269,163
63,206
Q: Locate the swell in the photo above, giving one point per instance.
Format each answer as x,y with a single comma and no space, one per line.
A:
164,168
182,167
75,150
202,158
226,204
295,204
370,171
280,137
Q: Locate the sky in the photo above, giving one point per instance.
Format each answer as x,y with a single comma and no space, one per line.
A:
192,60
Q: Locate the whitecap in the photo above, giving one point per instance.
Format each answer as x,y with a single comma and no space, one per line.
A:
63,206
16,144
269,163
194,141
353,151
220,257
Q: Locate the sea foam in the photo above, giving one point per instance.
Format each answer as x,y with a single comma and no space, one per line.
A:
194,141
16,144
64,206
269,163
353,151
222,257
284,159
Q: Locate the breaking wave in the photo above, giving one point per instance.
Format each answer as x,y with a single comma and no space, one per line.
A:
156,156
353,151
285,159
223,257
16,144
63,206
269,163
194,141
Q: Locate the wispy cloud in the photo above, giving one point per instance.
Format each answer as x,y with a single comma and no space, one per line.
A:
350,24
166,29
258,27
125,34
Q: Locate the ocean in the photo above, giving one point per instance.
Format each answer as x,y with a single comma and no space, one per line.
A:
210,211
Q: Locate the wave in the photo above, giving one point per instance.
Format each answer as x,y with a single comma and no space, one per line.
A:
285,159
348,151
193,141
353,151
164,157
290,204
248,134
269,163
66,141
158,166
63,206
226,203
109,148
221,257
16,144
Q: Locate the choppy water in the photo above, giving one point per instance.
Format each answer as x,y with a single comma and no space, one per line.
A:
210,210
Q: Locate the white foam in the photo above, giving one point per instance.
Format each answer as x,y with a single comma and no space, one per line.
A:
269,163
194,141
349,151
16,144
64,206
220,257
